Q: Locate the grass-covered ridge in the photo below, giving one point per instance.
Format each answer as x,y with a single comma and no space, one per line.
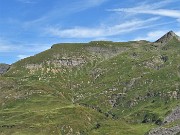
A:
96,88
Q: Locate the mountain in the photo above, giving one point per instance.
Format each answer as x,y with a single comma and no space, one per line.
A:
167,37
95,88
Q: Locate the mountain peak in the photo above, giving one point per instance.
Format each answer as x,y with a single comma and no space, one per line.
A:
167,37
171,32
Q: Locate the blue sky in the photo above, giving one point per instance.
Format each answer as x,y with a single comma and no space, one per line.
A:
28,27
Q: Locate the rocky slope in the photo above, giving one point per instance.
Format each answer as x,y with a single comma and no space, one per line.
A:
96,88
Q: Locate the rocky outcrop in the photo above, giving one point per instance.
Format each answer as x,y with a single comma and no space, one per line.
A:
54,66
116,98
4,68
96,73
174,130
156,63
175,115
165,131
33,66
68,62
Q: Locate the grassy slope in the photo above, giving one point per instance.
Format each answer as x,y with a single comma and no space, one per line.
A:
76,100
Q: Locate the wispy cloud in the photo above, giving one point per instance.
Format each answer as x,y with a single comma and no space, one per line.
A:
102,31
160,9
65,10
160,12
152,9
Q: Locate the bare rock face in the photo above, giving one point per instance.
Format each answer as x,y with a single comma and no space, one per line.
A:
167,37
166,131
68,62
4,68
33,66
55,66
175,115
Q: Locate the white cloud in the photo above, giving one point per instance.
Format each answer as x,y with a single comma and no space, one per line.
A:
152,9
64,10
102,31
160,12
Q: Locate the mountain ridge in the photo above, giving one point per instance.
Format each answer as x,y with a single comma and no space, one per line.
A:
94,88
